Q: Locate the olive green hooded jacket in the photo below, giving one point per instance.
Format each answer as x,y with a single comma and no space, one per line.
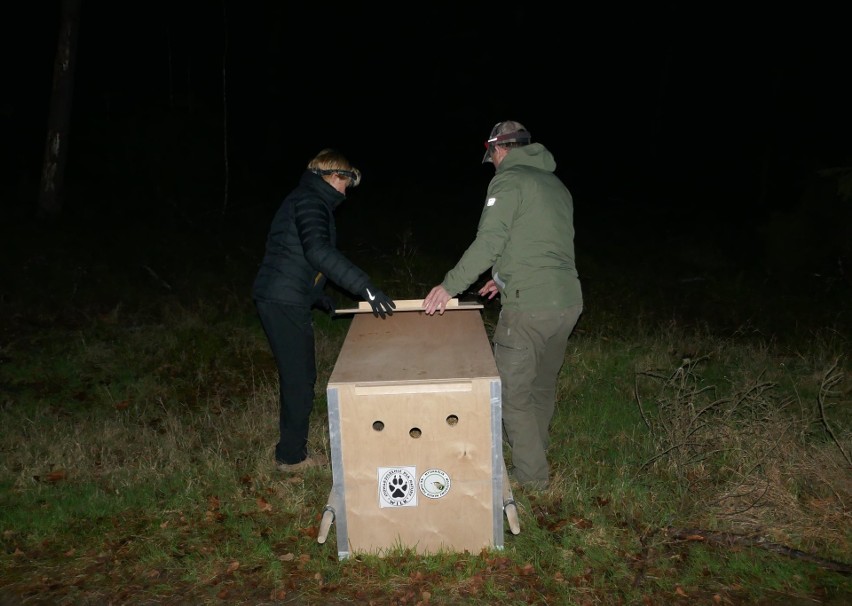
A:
525,235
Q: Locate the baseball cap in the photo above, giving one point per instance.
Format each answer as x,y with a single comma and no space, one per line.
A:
506,132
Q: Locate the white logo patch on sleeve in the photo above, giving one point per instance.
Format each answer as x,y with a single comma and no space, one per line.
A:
490,201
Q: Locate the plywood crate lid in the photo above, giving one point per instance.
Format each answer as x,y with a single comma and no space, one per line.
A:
415,347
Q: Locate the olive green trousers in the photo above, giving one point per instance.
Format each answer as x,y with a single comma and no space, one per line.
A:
529,350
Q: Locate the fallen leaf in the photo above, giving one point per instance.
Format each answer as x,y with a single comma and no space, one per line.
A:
55,476
263,504
70,552
233,566
287,557
581,522
123,405
694,537
557,526
679,590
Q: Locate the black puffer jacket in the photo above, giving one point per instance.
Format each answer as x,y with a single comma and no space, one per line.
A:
301,251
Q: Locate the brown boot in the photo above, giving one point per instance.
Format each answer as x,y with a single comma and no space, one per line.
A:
312,460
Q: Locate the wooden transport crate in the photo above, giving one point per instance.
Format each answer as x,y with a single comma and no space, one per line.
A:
415,432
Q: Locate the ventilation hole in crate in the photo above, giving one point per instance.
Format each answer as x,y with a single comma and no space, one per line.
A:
378,425
452,420
415,432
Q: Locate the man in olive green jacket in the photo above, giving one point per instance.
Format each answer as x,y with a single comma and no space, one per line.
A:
526,238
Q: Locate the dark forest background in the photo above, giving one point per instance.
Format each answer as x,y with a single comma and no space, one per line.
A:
725,125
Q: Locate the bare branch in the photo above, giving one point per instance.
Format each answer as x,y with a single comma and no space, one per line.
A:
639,400
831,378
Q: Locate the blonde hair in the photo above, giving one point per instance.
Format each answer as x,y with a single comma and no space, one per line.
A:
330,161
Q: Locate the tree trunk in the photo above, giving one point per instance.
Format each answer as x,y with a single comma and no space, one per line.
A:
56,145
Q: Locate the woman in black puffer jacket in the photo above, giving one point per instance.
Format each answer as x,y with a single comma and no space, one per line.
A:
301,255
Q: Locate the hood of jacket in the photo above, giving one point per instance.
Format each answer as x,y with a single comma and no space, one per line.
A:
535,155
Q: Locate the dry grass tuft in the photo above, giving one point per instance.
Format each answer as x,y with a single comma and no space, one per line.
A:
747,462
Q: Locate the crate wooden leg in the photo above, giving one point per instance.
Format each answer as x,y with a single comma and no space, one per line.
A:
333,505
509,506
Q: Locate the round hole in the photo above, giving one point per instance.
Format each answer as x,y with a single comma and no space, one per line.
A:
452,420
378,425
415,432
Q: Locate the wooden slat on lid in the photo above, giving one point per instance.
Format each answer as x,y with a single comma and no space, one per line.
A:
410,305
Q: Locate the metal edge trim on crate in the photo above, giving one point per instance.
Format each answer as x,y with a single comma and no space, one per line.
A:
336,502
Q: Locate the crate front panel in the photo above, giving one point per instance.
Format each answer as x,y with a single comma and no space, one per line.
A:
444,426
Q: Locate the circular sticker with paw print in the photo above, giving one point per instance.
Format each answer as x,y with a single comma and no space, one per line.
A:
397,487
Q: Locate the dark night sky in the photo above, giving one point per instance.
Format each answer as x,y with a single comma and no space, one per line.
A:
652,102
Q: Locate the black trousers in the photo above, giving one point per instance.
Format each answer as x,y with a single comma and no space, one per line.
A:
290,332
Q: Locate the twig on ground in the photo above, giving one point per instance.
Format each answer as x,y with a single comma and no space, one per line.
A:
728,539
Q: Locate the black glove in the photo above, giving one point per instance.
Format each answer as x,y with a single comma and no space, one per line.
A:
379,301
325,303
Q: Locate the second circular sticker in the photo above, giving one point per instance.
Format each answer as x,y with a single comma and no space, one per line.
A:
434,483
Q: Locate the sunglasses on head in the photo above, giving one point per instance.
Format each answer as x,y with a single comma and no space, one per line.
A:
346,174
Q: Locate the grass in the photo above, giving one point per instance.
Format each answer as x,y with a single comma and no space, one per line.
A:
700,446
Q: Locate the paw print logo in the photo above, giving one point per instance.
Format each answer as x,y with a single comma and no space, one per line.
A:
397,487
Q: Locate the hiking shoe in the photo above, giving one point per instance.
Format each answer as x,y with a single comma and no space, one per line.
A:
312,460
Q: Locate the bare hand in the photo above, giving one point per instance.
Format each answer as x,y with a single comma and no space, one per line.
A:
489,289
436,300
